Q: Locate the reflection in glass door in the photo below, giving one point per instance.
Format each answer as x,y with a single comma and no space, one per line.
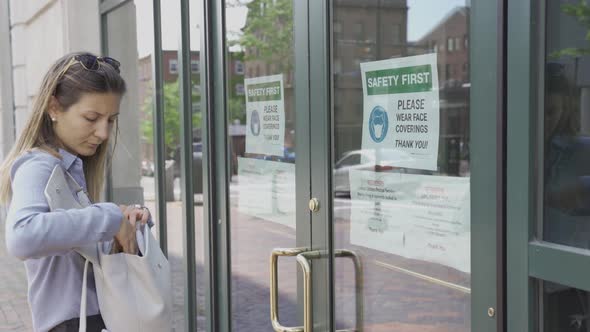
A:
261,112
401,173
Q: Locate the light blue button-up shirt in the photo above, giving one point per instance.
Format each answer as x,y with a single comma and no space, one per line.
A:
44,239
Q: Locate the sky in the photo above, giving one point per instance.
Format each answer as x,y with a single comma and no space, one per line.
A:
423,15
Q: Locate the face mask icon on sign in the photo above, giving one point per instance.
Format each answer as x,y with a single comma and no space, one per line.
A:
378,124
255,123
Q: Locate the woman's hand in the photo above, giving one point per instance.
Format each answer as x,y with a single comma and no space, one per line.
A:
141,214
125,240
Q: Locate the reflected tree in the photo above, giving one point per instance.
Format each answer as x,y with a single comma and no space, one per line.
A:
171,118
265,44
267,35
581,12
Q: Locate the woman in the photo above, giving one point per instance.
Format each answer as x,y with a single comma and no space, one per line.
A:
70,125
567,164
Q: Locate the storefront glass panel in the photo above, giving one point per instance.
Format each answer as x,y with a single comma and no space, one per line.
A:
564,309
401,177
261,134
171,69
133,167
132,160
566,139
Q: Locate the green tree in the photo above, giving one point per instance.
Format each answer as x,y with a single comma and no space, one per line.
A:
268,34
581,12
171,118
267,38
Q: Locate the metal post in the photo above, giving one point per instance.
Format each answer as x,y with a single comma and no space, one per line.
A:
158,123
186,158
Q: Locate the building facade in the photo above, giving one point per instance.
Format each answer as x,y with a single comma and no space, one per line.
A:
341,165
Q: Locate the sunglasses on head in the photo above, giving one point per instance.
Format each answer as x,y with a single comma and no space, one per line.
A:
91,62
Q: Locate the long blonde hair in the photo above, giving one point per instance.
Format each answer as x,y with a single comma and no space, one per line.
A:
66,80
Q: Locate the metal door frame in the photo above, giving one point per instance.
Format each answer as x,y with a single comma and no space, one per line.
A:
530,259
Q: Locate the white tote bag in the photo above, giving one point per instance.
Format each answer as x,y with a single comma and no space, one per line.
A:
134,292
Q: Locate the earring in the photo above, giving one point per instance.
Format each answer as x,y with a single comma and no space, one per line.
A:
53,119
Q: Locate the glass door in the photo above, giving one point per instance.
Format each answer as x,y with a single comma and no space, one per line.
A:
351,181
402,165
392,238
266,88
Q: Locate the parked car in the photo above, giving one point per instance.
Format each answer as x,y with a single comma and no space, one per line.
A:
288,156
364,160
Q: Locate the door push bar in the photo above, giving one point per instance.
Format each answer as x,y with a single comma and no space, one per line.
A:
303,257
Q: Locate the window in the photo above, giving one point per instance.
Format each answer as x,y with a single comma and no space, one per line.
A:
239,67
196,89
377,185
453,125
450,44
564,308
458,44
194,66
448,71
239,89
262,8
466,41
173,66
337,27
196,107
358,30
396,34
357,64
337,66
566,145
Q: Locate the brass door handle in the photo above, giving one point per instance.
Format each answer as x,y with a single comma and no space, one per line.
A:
274,287
303,257
358,272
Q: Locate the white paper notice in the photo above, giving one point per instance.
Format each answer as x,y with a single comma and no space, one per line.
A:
265,115
401,110
415,216
266,190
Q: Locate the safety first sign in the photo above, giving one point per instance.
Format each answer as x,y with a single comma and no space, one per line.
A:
265,117
401,111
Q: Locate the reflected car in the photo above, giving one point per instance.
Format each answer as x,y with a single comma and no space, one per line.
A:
288,156
364,160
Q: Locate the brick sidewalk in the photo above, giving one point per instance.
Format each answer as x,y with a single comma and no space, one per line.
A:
15,315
